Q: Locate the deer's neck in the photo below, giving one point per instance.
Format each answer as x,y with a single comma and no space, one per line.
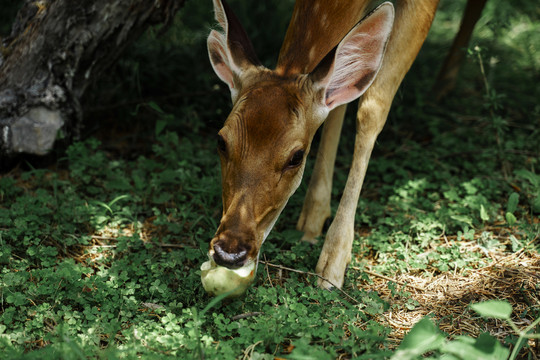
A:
316,27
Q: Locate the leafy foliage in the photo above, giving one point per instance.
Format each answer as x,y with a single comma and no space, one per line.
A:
425,337
99,251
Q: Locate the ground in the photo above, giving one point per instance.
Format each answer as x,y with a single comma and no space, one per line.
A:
101,242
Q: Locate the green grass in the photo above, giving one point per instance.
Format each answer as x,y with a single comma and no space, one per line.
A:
100,248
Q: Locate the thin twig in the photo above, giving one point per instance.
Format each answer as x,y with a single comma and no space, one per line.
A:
516,255
246,315
397,324
311,274
389,279
98,237
496,279
267,272
180,246
248,353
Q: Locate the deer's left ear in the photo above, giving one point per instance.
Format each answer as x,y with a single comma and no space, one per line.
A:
230,51
350,68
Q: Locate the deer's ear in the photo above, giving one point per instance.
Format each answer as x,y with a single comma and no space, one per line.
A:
350,68
230,51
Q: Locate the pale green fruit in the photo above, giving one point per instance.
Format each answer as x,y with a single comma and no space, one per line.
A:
217,280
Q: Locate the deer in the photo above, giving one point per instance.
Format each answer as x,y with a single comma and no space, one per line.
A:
331,55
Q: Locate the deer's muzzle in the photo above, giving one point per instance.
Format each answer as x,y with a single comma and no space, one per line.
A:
232,249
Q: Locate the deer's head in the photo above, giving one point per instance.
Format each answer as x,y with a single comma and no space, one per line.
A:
265,139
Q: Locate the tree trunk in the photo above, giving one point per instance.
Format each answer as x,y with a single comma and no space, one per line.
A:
56,49
446,80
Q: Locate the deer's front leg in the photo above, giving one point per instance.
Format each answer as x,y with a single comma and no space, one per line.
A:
336,252
405,42
316,207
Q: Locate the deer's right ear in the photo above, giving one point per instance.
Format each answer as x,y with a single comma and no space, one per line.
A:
230,51
349,69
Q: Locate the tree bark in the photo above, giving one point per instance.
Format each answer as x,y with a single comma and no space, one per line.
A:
446,80
56,49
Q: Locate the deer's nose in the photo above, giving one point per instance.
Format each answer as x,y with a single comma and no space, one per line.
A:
230,253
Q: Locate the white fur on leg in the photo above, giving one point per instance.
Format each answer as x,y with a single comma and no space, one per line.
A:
336,252
316,207
312,219
410,28
335,255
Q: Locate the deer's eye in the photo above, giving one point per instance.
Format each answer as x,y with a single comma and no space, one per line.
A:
221,145
295,160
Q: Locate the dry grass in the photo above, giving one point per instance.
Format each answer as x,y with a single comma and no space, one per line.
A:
446,296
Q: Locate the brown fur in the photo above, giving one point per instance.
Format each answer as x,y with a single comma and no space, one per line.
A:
312,32
276,114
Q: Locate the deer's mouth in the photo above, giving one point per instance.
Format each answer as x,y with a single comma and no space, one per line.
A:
233,250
